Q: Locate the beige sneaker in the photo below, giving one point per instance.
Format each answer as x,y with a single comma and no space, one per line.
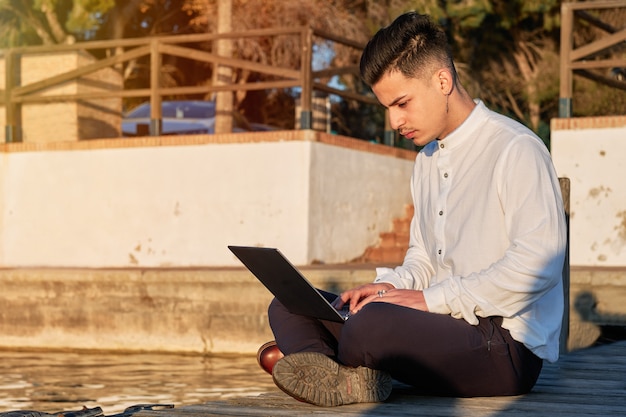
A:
317,379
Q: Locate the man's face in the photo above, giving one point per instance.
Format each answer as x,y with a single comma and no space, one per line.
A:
417,107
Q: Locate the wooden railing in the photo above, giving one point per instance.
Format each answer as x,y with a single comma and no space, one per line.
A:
15,94
582,60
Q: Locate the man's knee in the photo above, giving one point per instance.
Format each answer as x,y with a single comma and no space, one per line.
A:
276,309
359,323
360,337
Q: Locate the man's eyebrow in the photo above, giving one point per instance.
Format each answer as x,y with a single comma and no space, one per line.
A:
396,101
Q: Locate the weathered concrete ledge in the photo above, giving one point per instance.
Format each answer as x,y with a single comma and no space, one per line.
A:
211,310
167,310
597,298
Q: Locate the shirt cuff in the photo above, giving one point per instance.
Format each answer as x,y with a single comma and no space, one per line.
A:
436,300
389,276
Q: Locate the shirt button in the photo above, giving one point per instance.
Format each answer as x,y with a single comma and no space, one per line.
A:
441,213
439,251
445,175
441,145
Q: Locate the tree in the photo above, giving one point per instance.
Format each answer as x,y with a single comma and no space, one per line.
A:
48,22
141,18
510,51
284,51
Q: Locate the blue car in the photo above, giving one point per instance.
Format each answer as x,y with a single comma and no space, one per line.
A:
178,118
185,117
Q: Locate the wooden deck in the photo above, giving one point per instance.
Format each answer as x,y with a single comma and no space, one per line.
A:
589,382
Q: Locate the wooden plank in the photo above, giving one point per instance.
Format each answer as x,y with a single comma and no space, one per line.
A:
187,38
597,63
208,57
423,407
76,73
145,92
598,4
611,82
593,20
590,382
591,49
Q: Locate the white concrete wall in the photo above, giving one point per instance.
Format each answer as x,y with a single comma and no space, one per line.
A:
181,205
592,153
354,197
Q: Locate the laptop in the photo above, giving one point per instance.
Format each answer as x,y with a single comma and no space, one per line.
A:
287,284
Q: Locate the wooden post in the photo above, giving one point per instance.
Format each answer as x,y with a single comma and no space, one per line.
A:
563,340
156,113
223,74
306,96
13,110
566,88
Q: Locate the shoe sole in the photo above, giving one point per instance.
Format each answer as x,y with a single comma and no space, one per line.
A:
316,379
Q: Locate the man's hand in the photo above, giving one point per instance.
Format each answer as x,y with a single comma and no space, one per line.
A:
358,297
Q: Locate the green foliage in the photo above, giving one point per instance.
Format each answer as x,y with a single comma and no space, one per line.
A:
33,22
507,50
469,14
594,99
13,29
86,15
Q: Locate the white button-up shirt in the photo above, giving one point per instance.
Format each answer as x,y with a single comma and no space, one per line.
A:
488,237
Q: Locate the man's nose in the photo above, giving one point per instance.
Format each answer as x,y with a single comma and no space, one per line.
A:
395,119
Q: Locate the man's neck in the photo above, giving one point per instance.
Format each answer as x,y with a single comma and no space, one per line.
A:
460,105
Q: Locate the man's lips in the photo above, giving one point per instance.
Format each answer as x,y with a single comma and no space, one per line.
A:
408,133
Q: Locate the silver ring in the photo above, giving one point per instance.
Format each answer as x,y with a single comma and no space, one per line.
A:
381,293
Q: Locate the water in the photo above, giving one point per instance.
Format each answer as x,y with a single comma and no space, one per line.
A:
58,381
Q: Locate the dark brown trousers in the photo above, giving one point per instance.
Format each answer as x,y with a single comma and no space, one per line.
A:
435,353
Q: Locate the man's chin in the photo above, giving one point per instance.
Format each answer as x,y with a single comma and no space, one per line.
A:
421,141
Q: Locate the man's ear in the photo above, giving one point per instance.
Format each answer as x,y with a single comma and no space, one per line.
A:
445,81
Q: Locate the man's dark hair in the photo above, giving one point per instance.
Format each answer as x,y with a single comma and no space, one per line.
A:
413,44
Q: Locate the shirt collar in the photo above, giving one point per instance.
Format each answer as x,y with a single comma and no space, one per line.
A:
465,131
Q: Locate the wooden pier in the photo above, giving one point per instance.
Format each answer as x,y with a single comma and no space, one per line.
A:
587,382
